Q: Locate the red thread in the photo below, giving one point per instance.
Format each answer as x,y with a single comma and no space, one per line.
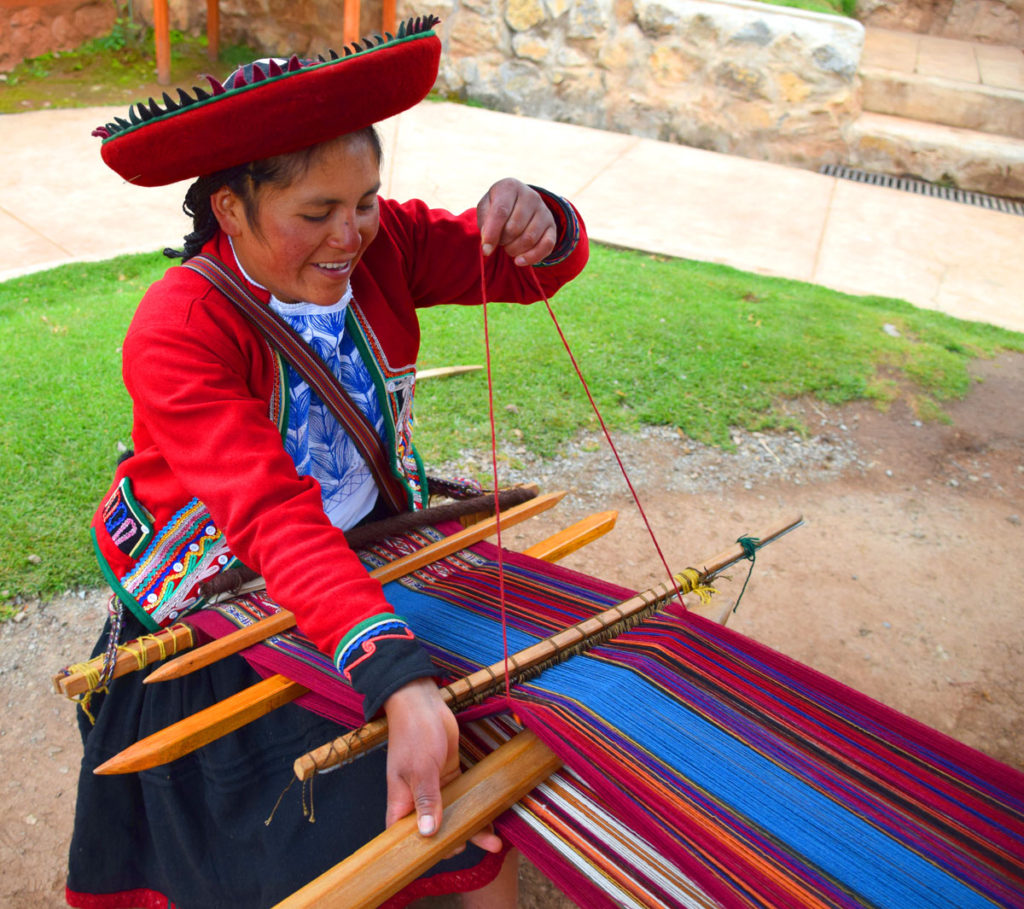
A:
494,455
494,476
607,435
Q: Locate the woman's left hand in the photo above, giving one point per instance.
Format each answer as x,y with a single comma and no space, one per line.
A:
514,216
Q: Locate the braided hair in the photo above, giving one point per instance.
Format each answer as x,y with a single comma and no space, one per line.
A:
246,181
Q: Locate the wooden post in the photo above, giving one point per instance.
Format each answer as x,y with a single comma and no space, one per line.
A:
388,16
212,30
162,38
350,22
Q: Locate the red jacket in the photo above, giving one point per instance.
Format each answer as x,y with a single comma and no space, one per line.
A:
203,381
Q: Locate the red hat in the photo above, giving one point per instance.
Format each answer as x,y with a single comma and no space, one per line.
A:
272,108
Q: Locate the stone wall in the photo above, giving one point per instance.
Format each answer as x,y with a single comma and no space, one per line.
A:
29,28
992,21
733,76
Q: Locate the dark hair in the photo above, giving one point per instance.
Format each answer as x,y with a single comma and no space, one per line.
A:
245,181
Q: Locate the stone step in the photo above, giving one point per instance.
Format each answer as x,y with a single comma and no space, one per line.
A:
967,159
933,99
978,87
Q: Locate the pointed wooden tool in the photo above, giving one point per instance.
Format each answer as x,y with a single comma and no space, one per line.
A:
439,371
192,732
203,727
284,620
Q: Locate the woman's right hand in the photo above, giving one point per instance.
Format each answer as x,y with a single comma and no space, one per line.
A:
423,756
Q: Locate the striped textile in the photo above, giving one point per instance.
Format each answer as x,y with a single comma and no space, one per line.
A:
746,778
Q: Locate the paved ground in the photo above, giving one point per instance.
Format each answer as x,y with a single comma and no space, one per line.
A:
58,202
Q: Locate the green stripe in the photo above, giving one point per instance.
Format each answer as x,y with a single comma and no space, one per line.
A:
357,630
115,585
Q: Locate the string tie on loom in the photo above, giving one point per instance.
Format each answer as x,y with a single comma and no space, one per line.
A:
689,581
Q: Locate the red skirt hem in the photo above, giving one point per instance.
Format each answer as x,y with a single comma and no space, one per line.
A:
446,882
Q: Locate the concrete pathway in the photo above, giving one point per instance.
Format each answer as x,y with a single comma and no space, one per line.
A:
59,203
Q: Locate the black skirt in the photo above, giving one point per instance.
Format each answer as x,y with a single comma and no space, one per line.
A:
212,830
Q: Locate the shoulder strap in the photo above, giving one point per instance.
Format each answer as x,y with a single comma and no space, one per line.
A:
316,373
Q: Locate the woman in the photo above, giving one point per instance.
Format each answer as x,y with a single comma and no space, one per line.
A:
236,458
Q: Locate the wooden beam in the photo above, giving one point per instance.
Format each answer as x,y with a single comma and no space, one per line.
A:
574,537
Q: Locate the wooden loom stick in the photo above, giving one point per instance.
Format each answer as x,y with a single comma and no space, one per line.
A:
573,537
367,877
206,726
582,635
283,619
133,655
203,727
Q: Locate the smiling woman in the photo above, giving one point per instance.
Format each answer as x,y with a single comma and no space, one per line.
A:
308,235
272,379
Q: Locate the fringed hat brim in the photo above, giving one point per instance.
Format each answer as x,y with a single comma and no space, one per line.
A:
281,110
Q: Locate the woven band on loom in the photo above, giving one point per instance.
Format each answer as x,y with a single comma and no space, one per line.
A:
757,779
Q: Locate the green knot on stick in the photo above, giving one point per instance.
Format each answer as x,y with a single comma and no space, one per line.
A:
749,545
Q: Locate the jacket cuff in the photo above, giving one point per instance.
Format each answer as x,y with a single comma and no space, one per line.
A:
566,221
379,656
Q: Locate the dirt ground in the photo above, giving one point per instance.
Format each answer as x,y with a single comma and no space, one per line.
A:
905,582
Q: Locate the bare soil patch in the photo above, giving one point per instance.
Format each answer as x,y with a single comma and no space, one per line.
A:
905,583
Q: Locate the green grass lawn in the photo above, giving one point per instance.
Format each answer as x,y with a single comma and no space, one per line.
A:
671,342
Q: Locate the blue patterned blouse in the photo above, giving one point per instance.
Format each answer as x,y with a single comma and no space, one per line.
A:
316,442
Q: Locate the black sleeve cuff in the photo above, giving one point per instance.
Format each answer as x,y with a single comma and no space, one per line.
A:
395,662
567,223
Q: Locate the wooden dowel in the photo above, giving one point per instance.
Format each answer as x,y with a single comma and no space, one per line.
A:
283,620
440,371
399,855
150,647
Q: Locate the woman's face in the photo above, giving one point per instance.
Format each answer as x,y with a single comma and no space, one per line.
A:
307,237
